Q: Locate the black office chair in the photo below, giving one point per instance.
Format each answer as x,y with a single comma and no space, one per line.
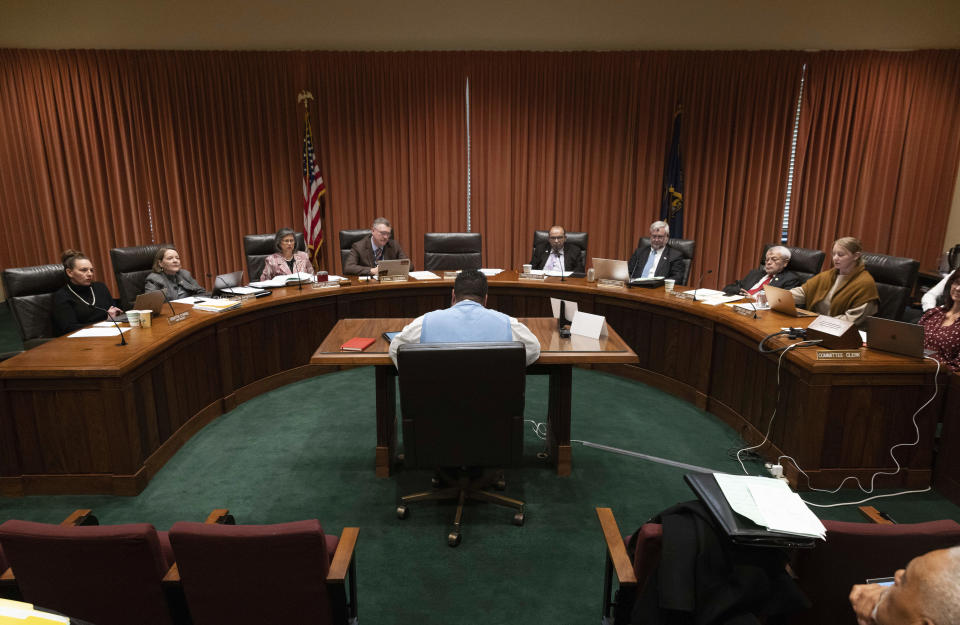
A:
257,247
462,406
30,296
895,277
685,247
131,265
452,251
804,262
347,239
579,239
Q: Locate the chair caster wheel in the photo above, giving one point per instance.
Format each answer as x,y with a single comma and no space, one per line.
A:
453,539
518,518
435,481
500,484
402,512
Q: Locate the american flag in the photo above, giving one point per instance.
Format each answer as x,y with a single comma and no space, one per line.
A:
314,193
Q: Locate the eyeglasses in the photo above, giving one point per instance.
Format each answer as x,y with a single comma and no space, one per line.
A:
559,238
383,233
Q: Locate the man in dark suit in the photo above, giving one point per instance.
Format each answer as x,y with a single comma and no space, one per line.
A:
366,253
773,273
556,253
657,259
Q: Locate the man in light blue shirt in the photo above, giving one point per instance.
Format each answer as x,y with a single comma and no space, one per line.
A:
468,320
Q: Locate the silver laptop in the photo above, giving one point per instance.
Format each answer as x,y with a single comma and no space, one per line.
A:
398,267
225,281
607,269
898,337
152,301
781,300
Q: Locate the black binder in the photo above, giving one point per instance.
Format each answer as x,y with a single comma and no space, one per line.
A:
740,529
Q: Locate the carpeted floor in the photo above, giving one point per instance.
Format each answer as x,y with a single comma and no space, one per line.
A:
306,450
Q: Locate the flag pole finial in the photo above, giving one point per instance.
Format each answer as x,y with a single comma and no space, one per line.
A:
304,98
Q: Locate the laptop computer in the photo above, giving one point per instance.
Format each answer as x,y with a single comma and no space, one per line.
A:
897,337
398,267
152,301
781,300
225,281
607,269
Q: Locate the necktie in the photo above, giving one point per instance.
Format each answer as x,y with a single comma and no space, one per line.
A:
649,266
378,255
759,287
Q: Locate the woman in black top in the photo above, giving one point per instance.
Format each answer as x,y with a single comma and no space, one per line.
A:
81,301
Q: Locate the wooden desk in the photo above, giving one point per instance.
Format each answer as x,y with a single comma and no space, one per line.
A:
86,416
557,357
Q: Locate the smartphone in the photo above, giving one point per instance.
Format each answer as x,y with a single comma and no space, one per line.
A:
882,581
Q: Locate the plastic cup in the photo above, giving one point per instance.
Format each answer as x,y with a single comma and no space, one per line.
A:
146,318
668,284
322,276
133,318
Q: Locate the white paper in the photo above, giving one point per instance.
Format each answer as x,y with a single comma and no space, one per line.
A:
241,290
557,273
334,278
490,272
830,325
283,279
863,335
105,324
187,300
585,324
569,308
88,332
769,503
704,294
23,611
424,275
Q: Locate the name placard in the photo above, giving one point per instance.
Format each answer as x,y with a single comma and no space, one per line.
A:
450,275
532,276
326,285
178,317
397,278
838,354
607,283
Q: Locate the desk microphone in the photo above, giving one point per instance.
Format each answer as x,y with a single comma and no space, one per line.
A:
225,285
562,323
173,313
123,340
700,282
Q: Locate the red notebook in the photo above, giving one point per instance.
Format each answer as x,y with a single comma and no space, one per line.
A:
356,344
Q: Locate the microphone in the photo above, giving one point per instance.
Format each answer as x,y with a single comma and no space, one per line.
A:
562,322
123,340
220,278
700,282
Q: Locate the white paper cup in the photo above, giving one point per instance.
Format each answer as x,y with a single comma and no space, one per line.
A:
133,318
527,268
146,318
668,284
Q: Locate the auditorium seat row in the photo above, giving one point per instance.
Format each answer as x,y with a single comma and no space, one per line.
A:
205,573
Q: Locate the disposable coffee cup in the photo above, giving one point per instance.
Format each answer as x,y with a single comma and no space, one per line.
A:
668,284
133,318
146,318
527,268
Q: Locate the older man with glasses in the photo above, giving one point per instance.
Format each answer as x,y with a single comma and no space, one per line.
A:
366,253
558,254
657,260
774,272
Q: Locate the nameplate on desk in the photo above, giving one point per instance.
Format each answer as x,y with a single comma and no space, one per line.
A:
178,317
532,276
397,278
450,275
746,311
607,283
838,354
326,285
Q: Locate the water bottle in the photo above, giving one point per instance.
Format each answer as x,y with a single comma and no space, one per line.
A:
761,299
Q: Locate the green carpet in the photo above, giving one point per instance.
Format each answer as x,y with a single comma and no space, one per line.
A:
306,450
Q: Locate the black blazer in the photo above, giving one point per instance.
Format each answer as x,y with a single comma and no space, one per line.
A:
670,266
571,257
785,280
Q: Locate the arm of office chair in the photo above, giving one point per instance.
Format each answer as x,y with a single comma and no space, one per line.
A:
80,516
342,560
219,515
616,550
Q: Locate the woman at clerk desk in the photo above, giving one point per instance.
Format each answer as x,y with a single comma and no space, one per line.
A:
846,292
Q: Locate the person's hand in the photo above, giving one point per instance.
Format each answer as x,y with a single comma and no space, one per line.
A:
863,599
744,292
374,270
113,311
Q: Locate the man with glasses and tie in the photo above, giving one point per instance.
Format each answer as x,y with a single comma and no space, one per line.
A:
657,260
557,254
366,253
774,272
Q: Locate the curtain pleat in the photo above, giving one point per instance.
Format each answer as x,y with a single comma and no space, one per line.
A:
100,149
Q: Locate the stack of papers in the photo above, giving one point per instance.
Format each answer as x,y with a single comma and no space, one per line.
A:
284,279
216,305
703,294
424,275
770,503
490,272
98,331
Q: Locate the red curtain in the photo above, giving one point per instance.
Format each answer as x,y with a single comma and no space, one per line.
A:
878,150
110,148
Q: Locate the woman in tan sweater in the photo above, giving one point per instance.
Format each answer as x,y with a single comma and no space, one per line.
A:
846,292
